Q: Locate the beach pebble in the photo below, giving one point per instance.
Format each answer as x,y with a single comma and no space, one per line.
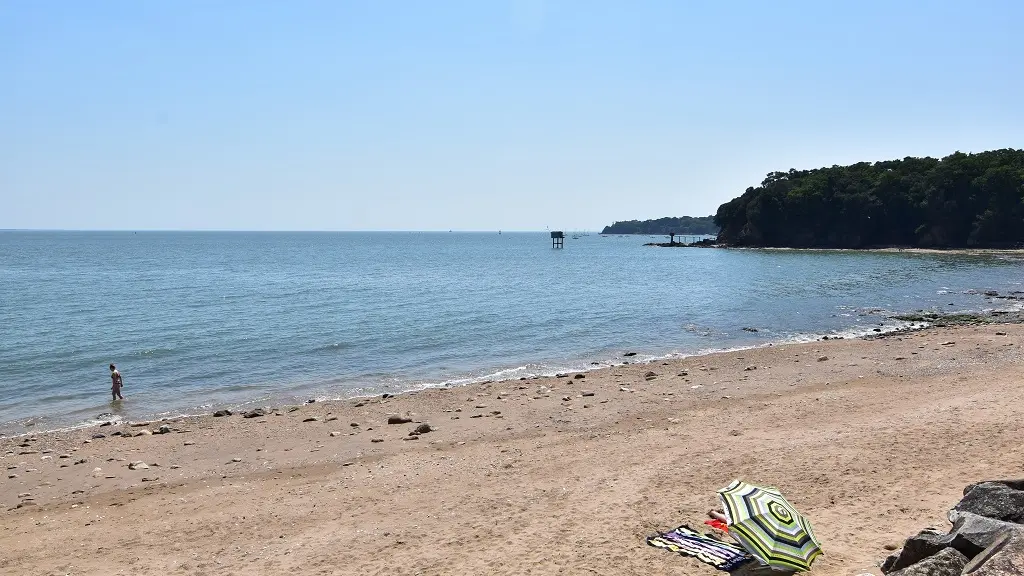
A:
477,416
481,406
222,413
165,429
423,428
411,438
749,368
580,376
24,495
175,466
330,419
822,358
255,413
398,419
24,452
236,459
950,343
82,461
144,433
735,433
566,398
624,389
628,354
150,479
335,434
86,441
359,404
1000,333
12,476
189,443
586,393
138,465
98,436
311,419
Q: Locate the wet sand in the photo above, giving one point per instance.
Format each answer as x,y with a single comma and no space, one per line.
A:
871,439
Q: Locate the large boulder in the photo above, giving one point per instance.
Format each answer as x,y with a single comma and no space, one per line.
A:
979,531
1015,484
946,562
1004,557
994,500
926,543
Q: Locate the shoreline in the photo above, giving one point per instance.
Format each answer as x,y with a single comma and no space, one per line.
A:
646,358
536,475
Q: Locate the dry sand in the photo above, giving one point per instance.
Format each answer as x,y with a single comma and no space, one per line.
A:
533,477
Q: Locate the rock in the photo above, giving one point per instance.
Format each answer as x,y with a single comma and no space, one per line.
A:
398,419
990,293
1004,557
107,423
1000,333
822,358
385,396
189,443
994,500
423,428
236,460
12,476
354,424
139,465
98,436
144,433
376,440
359,404
411,438
331,419
749,368
24,452
165,429
311,419
255,413
650,375
1015,484
738,433
150,478
82,461
561,375
749,329
890,547
579,376
947,562
335,434
221,413
950,343
586,393
975,533
566,398
629,354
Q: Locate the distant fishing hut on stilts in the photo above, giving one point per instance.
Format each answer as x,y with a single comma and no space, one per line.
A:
557,239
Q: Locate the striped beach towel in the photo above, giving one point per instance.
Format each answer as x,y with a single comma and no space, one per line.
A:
687,542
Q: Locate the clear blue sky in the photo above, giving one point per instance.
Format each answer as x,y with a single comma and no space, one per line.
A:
475,115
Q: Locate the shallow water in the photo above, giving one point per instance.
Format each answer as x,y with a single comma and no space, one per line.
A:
197,320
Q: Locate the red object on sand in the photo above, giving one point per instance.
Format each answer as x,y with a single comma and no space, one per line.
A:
717,524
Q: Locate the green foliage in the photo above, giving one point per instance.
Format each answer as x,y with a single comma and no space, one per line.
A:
962,200
683,225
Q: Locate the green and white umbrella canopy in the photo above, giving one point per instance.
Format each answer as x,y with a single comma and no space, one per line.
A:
769,527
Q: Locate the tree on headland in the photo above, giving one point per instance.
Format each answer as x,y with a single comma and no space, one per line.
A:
683,225
962,200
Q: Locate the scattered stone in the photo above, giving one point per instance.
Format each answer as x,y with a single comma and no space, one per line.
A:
331,419
749,329
900,358
64,456
311,419
991,293
150,479
495,412
624,389
175,466
98,436
560,375
107,423
477,416
189,443
950,343
236,459
221,413
822,358
586,393
579,376
359,404
12,476
165,429
749,368
423,428
481,406
411,438
566,398
139,465
1000,333
144,433
24,452
344,464
293,408
82,461
629,354
398,419
255,413
376,440
335,434
735,433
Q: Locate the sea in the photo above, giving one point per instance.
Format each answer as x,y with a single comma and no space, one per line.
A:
197,321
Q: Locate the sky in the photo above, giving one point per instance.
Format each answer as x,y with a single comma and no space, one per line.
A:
475,115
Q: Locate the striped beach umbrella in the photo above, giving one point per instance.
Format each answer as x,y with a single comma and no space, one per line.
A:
769,527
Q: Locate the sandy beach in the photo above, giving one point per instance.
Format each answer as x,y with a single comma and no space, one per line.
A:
871,439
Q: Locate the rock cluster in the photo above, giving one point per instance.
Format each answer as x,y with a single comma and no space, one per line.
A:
987,537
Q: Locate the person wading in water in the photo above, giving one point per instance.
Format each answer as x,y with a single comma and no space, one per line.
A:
115,383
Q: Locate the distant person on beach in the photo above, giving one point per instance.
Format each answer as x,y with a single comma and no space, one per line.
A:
115,383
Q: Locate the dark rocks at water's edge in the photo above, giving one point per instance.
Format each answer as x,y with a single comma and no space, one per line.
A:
987,536
962,319
706,243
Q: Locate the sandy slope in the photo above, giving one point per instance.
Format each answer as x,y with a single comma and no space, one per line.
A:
872,444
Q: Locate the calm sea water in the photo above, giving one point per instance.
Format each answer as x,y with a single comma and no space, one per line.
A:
201,320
